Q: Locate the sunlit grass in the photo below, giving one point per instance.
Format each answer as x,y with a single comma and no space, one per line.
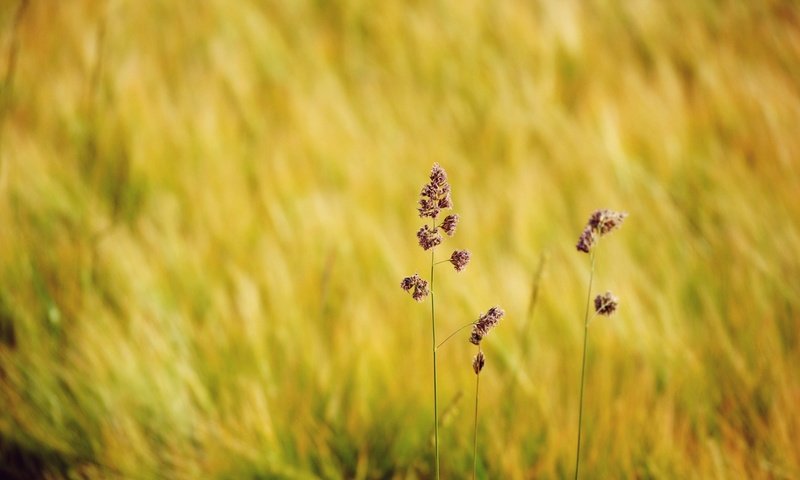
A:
205,212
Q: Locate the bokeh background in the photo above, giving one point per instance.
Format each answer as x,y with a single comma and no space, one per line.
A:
206,209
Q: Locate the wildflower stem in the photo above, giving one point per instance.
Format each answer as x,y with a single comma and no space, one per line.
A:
583,363
453,334
435,392
475,441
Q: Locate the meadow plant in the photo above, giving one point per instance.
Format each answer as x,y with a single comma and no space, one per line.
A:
601,223
480,329
435,197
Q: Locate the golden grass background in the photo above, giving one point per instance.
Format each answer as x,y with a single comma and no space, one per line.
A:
206,209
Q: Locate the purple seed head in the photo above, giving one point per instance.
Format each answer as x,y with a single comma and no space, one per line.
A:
445,202
460,259
420,290
605,304
485,323
438,176
602,222
408,283
586,240
478,362
418,285
605,221
449,224
428,238
435,196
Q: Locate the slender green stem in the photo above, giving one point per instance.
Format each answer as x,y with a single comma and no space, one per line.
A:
605,304
435,391
583,364
452,334
475,441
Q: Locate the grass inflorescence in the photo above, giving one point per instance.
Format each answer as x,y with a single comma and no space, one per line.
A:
435,197
600,224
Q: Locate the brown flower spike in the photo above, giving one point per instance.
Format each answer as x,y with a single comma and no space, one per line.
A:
449,224
436,194
434,197
602,222
605,304
409,282
420,290
419,285
485,322
428,238
478,362
460,259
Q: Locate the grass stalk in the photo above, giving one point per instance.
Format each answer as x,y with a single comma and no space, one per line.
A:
583,364
453,334
475,436
435,386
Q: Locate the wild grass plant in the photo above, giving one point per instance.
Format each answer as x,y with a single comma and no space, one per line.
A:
600,224
435,197
202,208
480,328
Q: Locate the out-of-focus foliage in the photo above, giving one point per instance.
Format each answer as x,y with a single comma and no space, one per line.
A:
206,209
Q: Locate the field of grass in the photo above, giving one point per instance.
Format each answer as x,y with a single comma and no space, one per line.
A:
206,209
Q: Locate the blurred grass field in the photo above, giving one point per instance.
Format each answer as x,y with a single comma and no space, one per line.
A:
206,209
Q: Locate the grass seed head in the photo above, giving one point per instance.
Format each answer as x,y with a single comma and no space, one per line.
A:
602,222
418,285
409,282
449,224
460,259
485,323
586,240
420,290
605,304
428,237
478,362
435,194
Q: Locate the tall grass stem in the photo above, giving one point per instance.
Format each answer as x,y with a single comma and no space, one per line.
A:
435,390
475,437
583,364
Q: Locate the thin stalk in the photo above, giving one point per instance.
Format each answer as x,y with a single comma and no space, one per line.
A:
475,441
583,363
435,390
605,304
452,334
